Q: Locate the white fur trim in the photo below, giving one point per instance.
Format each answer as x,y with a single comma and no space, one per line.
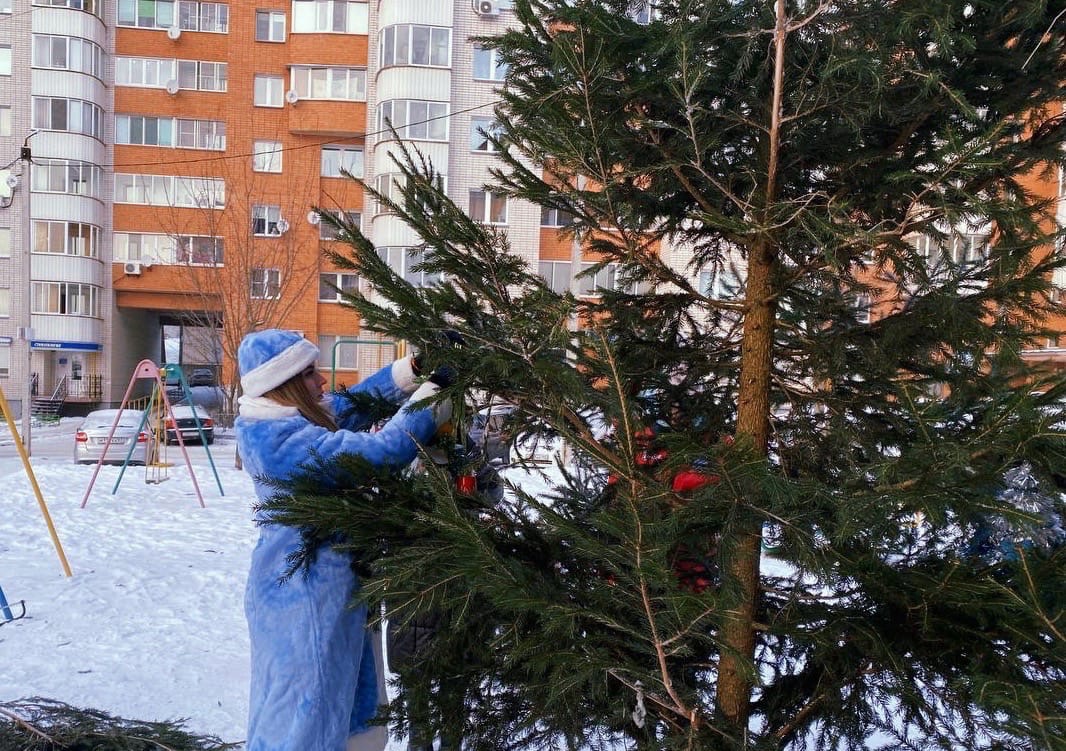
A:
262,408
442,411
426,390
279,368
403,375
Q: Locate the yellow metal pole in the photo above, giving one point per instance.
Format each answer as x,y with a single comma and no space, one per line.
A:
33,481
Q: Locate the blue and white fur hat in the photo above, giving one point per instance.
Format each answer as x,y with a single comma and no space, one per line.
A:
266,359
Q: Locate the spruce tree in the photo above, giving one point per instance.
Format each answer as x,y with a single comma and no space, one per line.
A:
859,402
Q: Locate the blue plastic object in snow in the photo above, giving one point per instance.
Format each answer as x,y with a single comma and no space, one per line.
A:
6,615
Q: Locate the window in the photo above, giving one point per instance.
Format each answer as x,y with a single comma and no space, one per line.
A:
556,274
5,242
201,134
5,361
266,220
335,352
5,302
148,14
329,16
337,160
605,278
66,238
71,115
89,6
863,307
165,131
410,44
269,91
136,246
405,261
327,231
5,6
68,53
480,130
957,248
5,121
332,287
66,298
266,156
269,26
67,176
170,190
390,185
149,72
199,75
266,284
487,64
168,249
416,119
213,17
488,207
348,84
201,250
5,60
969,248
721,284
555,218
640,11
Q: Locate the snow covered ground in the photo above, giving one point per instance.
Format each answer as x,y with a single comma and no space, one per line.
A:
150,626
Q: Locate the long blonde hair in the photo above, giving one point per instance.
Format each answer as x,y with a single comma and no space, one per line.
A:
294,393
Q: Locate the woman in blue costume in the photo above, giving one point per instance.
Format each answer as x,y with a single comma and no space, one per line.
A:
314,684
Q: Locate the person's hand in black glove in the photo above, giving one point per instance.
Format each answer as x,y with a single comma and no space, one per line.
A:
443,340
443,376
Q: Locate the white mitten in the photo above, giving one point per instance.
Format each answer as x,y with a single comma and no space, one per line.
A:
442,410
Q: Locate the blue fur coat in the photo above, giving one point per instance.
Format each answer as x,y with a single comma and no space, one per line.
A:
313,679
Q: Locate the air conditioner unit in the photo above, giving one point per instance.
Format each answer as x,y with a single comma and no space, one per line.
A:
486,8
291,96
132,268
174,32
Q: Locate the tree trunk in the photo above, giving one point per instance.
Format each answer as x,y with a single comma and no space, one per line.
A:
741,544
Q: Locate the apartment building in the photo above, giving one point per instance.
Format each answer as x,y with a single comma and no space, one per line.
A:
167,162
164,163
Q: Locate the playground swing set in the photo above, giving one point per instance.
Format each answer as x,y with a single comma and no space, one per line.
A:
155,418
156,465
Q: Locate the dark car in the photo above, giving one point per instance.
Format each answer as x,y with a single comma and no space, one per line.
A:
202,377
185,421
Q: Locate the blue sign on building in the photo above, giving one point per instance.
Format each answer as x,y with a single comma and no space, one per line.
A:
80,346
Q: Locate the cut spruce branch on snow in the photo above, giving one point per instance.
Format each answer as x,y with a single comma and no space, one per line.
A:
47,725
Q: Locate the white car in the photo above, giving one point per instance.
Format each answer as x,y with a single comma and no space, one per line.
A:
91,438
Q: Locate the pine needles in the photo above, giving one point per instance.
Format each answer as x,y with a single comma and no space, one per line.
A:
38,724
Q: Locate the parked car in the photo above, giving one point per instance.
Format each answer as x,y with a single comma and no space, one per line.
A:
91,443
495,432
184,421
202,377
490,431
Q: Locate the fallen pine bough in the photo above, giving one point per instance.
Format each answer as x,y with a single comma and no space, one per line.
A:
38,724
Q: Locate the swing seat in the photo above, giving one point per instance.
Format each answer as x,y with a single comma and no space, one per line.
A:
7,614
